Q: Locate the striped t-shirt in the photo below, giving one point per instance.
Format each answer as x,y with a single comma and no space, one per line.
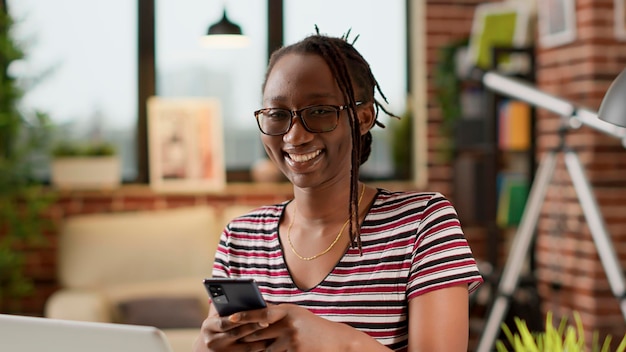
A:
412,244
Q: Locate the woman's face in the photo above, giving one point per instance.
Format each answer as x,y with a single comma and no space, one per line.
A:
307,159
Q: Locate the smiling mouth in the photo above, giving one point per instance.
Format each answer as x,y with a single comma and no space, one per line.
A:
301,158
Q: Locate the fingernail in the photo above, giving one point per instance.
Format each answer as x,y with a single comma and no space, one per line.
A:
234,318
264,324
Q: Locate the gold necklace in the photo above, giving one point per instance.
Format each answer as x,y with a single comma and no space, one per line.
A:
293,249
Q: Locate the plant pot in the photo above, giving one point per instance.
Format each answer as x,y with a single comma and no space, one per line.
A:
86,172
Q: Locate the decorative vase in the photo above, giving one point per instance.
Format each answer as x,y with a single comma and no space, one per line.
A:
101,172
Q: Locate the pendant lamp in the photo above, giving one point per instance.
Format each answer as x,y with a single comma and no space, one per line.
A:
225,34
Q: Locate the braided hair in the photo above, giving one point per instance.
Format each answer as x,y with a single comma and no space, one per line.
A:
357,83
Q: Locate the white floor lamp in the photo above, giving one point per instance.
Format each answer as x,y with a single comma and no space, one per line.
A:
611,119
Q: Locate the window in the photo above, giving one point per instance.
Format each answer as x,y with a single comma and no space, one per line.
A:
86,55
185,68
90,48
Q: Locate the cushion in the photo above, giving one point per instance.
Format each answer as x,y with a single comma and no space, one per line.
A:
106,249
163,312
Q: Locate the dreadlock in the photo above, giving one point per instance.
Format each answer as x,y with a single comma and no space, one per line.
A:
351,72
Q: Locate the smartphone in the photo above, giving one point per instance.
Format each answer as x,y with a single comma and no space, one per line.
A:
230,296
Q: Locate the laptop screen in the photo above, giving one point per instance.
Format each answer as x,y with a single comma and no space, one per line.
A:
27,334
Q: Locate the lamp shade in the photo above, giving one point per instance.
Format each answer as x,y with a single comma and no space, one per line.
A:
224,35
613,106
224,26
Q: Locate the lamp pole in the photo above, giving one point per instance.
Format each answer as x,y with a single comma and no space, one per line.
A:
575,118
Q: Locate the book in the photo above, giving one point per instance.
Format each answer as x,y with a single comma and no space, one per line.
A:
514,125
512,196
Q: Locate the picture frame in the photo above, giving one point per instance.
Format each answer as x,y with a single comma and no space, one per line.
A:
620,19
498,24
557,22
185,144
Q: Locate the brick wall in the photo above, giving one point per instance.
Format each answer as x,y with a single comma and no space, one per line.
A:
570,273
571,276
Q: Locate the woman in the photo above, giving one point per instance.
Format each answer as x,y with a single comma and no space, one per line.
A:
343,266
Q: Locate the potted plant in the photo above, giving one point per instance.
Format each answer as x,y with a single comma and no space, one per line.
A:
89,165
565,337
448,93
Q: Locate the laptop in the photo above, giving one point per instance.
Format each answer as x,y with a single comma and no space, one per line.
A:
30,334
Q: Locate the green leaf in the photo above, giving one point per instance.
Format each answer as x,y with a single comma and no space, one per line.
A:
622,345
570,338
23,202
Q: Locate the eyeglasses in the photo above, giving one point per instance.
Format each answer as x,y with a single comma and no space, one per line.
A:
315,119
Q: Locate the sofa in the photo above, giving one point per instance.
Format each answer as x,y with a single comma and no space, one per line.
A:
143,268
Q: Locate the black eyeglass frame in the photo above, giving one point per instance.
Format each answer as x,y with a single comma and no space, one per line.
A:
298,113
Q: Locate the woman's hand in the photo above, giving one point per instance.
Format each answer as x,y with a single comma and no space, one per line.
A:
278,328
226,333
295,329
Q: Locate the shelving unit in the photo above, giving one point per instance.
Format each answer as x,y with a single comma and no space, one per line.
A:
512,129
494,157
494,164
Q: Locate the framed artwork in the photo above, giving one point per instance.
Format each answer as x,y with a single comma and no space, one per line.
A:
620,19
185,144
557,22
500,24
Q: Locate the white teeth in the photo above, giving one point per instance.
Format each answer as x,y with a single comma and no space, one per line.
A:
304,157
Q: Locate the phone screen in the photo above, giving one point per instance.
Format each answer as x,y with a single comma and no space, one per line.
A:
230,296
